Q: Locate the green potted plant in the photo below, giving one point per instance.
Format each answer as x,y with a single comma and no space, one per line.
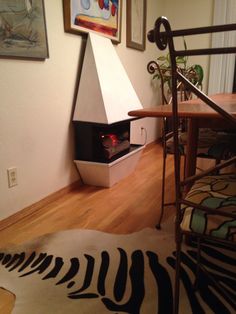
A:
161,70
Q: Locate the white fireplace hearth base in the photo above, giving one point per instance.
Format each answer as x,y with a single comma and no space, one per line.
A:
107,174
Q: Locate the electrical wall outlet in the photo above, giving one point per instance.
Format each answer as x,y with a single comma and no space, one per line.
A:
12,177
143,135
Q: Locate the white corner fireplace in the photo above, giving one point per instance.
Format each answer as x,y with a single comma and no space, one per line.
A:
103,152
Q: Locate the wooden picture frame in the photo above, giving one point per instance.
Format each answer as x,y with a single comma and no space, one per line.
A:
23,33
99,16
136,24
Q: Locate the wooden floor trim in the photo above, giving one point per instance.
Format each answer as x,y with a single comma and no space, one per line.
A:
29,210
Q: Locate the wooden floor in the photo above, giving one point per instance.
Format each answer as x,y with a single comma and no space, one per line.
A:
130,205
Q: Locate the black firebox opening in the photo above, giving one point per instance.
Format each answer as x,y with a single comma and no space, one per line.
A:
102,142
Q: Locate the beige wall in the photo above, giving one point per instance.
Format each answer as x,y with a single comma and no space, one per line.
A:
190,14
36,103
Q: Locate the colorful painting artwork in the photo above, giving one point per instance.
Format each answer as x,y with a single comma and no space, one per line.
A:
23,29
101,16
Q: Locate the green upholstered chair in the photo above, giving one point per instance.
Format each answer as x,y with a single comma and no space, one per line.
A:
215,192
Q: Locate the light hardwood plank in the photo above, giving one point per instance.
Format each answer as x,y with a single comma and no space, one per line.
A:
7,301
130,205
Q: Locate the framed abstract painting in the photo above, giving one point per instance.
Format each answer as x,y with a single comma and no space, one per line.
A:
23,29
100,16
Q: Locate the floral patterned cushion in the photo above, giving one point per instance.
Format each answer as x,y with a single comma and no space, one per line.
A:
213,144
216,192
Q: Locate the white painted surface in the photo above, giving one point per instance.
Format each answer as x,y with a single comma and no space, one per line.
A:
107,174
221,75
105,93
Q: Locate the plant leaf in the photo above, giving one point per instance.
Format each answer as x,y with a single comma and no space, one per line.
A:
161,58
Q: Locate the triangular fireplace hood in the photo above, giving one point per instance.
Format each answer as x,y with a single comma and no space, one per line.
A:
105,94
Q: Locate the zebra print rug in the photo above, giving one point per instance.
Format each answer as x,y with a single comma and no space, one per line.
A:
90,272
